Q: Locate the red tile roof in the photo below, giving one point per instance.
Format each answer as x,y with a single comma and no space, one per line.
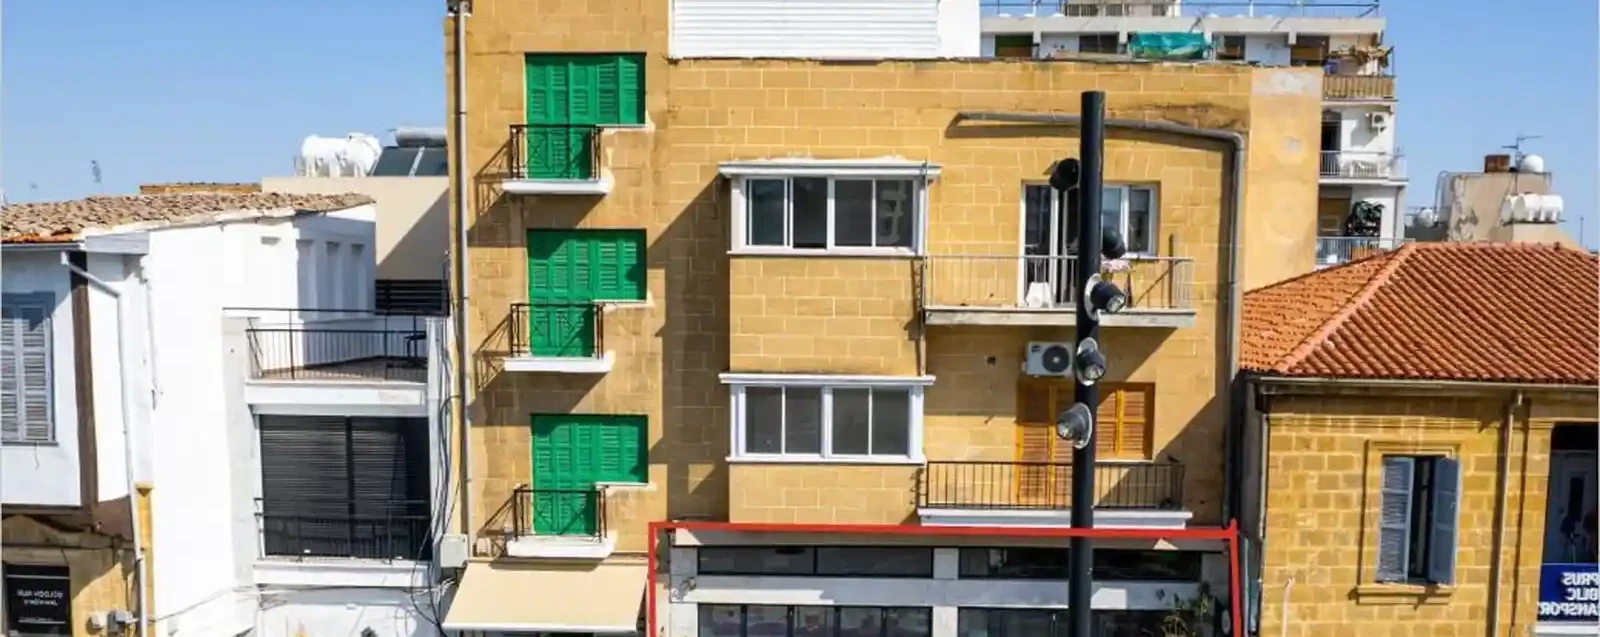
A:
64,221
1512,312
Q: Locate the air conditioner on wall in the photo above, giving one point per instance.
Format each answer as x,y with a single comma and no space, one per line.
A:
1048,359
1378,120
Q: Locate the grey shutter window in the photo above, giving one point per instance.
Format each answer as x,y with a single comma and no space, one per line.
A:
1394,519
26,412
1446,503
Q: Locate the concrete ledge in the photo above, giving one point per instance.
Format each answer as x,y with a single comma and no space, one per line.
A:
559,365
1243,25
587,187
312,398
562,547
1053,317
271,571
1103,518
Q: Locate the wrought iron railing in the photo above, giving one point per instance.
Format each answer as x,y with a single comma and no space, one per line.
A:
360,528
1184,9
1337,250
554,151
1360,164
557,330
1047,485
312,344
1049,282
567,512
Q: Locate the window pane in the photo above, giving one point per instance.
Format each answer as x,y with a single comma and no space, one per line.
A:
1140,220
891,422
852,213
897,218
719,621
1111,209
875,561
1036,219
850,413
909,622
810,212
803,420
860,622
813,621
1124,564
765,200
1015,563
763,420
756,560
767,621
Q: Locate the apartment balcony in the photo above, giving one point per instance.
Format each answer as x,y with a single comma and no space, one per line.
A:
1332,251
1330,17
1043,290
559,523
309,357
367,529
1357,88
562,338
1128,494
555,159
1361,167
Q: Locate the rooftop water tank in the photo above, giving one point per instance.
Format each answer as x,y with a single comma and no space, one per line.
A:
1531,164
1531,208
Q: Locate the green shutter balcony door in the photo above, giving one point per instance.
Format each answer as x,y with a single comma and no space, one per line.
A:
571,453
568,271
569,98
560,151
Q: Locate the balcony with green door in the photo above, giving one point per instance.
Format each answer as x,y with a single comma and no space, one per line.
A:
555,159
563,338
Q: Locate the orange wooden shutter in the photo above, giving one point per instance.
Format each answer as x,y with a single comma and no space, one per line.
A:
1123,421
1036,438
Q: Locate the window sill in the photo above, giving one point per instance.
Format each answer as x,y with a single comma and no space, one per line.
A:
631,304
820,460
853,253
626,486
1409,594
31,443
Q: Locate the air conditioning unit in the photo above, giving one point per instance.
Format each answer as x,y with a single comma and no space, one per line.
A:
1048,359
1379,120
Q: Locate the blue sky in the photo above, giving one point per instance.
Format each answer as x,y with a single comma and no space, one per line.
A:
225,91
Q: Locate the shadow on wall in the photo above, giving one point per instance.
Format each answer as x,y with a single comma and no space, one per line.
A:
422,237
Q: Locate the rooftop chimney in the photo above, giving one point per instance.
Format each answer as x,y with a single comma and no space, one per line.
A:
1496,163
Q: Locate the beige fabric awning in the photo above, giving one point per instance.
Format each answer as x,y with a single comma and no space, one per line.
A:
549,597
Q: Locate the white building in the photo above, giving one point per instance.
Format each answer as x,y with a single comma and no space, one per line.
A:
283,433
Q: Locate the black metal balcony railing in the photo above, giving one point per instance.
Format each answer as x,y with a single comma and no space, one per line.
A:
301,344
1186,9
1048,282
554,151
557,330
362,529
1047,485
568,512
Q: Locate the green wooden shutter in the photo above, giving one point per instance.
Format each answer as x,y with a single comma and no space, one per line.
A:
583,91
573,452
547,79
618,256
1394,519
621,446
1445,502
621,89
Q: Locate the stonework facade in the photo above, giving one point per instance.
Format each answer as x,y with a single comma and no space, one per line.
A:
1324,448
709,312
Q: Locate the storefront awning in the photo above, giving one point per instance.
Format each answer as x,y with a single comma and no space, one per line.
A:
548,597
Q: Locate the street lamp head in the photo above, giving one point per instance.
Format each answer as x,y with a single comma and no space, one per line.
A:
1065,174
1104,296
1111,244
1075,424
1089,364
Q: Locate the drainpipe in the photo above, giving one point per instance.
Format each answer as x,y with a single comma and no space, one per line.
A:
1502,485
127,437
460,9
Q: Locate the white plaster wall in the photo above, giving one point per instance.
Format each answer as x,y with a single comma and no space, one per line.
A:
344,613
45,475
1390,198
202,510
1357,136
1269,50
114,374
411,213
958,28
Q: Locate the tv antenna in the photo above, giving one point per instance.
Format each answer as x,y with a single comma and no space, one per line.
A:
94,171
1516,147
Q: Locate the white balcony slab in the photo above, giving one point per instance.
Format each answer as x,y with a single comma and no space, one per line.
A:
351,398
1064,316
560,365
1103,518
599,187
570,547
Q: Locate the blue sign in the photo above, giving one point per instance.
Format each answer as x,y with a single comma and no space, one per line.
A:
1569,593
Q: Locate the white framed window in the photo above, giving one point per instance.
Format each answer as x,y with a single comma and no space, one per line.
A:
819,418
1131,210
838,207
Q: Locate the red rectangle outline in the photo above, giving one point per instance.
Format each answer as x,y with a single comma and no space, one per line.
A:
1229,535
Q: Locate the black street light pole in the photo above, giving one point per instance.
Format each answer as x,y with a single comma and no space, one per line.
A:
1091,163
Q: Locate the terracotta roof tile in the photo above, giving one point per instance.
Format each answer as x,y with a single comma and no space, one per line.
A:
63,221
1512,312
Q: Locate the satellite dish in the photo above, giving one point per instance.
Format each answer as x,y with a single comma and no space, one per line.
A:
1425,218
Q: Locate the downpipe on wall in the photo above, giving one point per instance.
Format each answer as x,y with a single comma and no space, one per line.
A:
1502,487
459,10
127,439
